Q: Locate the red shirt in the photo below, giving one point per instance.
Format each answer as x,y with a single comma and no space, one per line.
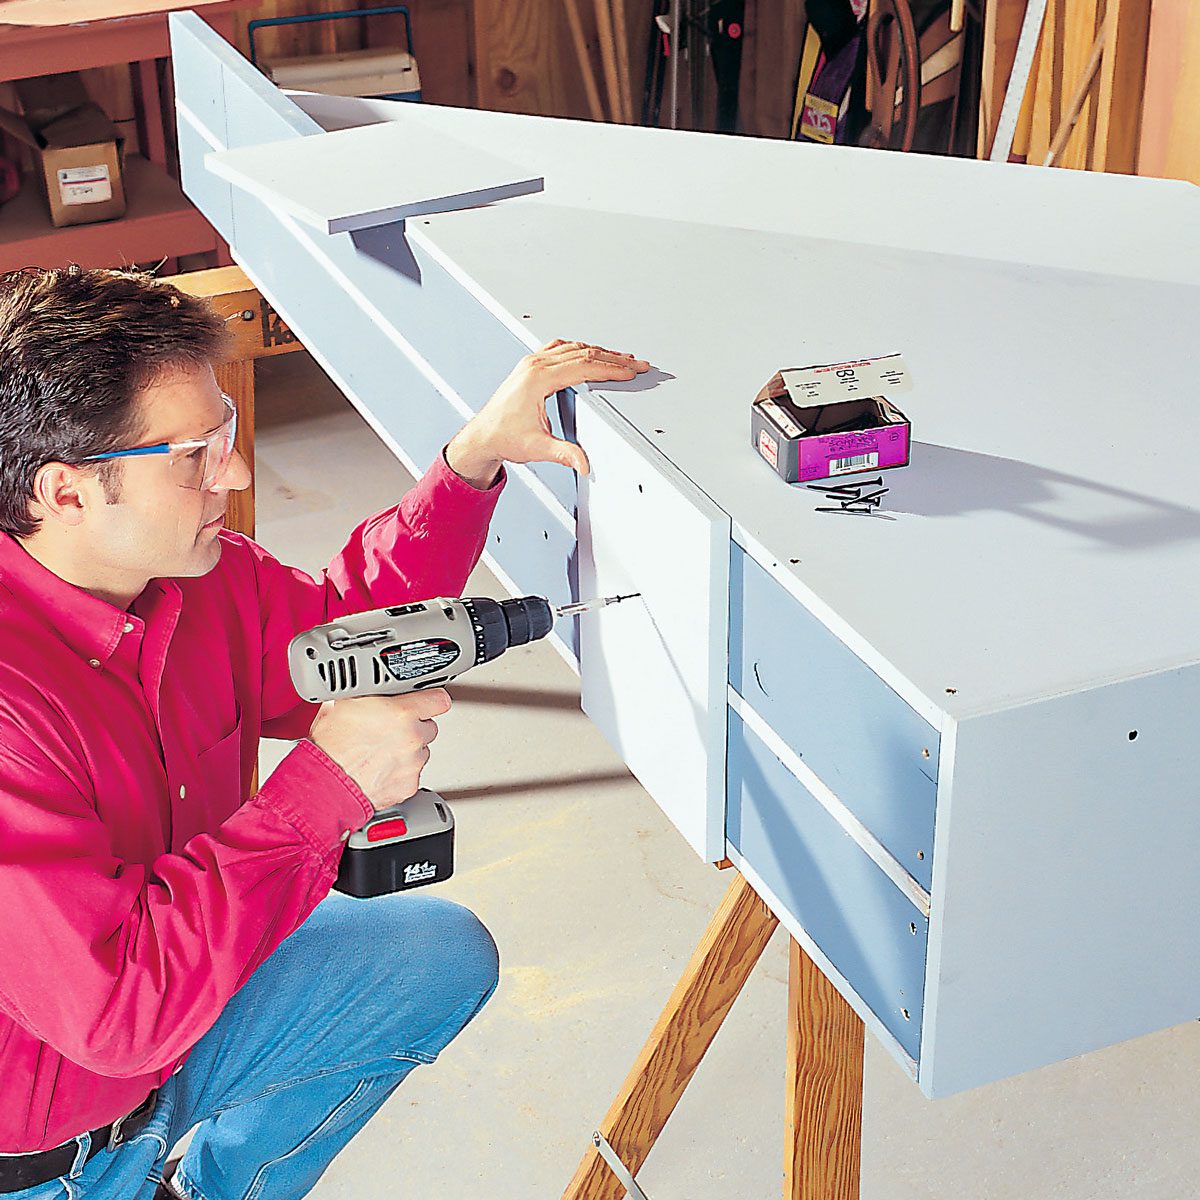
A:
140,883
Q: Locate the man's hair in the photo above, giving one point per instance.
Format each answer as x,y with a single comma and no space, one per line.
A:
76,348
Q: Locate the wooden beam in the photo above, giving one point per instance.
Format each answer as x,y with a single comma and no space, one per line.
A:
1001,30
1170,134
621,36
608,56
236,380
258,329
1122,86
823,1101
731,945
586,71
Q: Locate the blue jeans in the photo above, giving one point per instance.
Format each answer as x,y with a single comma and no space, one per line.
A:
321,1034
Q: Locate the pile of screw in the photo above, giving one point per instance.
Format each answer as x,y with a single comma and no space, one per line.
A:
853,497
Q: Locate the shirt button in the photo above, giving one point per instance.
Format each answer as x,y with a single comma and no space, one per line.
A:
182,792
128,627
93,662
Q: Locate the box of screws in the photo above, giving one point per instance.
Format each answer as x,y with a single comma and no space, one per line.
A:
822,422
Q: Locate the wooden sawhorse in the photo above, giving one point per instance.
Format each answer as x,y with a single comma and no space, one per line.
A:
823,1102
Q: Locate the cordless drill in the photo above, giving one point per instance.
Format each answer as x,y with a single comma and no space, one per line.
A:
391,651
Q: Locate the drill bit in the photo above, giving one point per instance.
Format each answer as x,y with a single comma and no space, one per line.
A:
573,610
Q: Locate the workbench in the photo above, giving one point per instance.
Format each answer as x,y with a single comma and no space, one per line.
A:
947,747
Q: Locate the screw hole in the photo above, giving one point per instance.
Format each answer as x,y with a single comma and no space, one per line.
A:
310,652
658,431
912,928
793,561
1133,735
921,855
904,1012
546,534
641,489
497,539
925,753
952,691
527,317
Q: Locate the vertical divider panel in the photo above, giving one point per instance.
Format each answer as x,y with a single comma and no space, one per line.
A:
655,669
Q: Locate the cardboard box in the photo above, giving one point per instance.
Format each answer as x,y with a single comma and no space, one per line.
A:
76,147
840,436
382,74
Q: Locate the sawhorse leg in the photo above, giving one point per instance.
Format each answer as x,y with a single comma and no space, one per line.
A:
825,1045
823,1103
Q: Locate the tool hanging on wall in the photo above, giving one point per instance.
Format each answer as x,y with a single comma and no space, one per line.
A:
658,55
720,26
1018,80
917,72
829,106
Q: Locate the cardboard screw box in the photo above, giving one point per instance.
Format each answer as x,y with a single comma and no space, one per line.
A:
819,422
76,146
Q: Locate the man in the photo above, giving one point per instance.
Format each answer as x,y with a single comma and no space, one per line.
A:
165,958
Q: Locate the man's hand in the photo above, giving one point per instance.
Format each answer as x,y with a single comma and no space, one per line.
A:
513,425
381,742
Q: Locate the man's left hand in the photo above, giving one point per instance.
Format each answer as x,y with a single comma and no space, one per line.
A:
514,427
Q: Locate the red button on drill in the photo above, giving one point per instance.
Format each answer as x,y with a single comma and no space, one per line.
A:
383,830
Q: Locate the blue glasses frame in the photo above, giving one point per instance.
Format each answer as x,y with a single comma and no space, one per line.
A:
221,439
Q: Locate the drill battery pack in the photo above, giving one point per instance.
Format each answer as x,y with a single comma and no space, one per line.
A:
407,846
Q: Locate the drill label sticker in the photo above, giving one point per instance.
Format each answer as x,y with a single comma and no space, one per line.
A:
426,656
853,380
768,447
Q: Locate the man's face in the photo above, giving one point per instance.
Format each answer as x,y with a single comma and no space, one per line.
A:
159,529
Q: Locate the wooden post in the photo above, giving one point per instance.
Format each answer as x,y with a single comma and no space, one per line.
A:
258,332
236,380
823,1104
592,90
608,56
731,945
1122,86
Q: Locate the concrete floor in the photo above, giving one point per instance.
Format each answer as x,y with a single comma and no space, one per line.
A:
596,904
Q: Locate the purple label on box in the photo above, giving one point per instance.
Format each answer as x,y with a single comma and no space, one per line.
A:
848,453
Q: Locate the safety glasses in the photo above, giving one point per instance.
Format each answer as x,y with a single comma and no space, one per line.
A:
196,463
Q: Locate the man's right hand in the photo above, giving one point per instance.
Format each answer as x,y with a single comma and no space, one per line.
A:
381,742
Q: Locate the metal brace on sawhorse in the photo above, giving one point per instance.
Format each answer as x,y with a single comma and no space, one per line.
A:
617,1167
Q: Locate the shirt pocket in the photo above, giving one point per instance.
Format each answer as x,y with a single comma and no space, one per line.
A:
216,787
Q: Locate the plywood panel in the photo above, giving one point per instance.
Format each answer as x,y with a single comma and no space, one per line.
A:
1120,93
654,669
1067,40
413,173
771,45
522,50
1170,133
1065,881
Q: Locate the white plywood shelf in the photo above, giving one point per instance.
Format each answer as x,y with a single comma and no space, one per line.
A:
362,178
